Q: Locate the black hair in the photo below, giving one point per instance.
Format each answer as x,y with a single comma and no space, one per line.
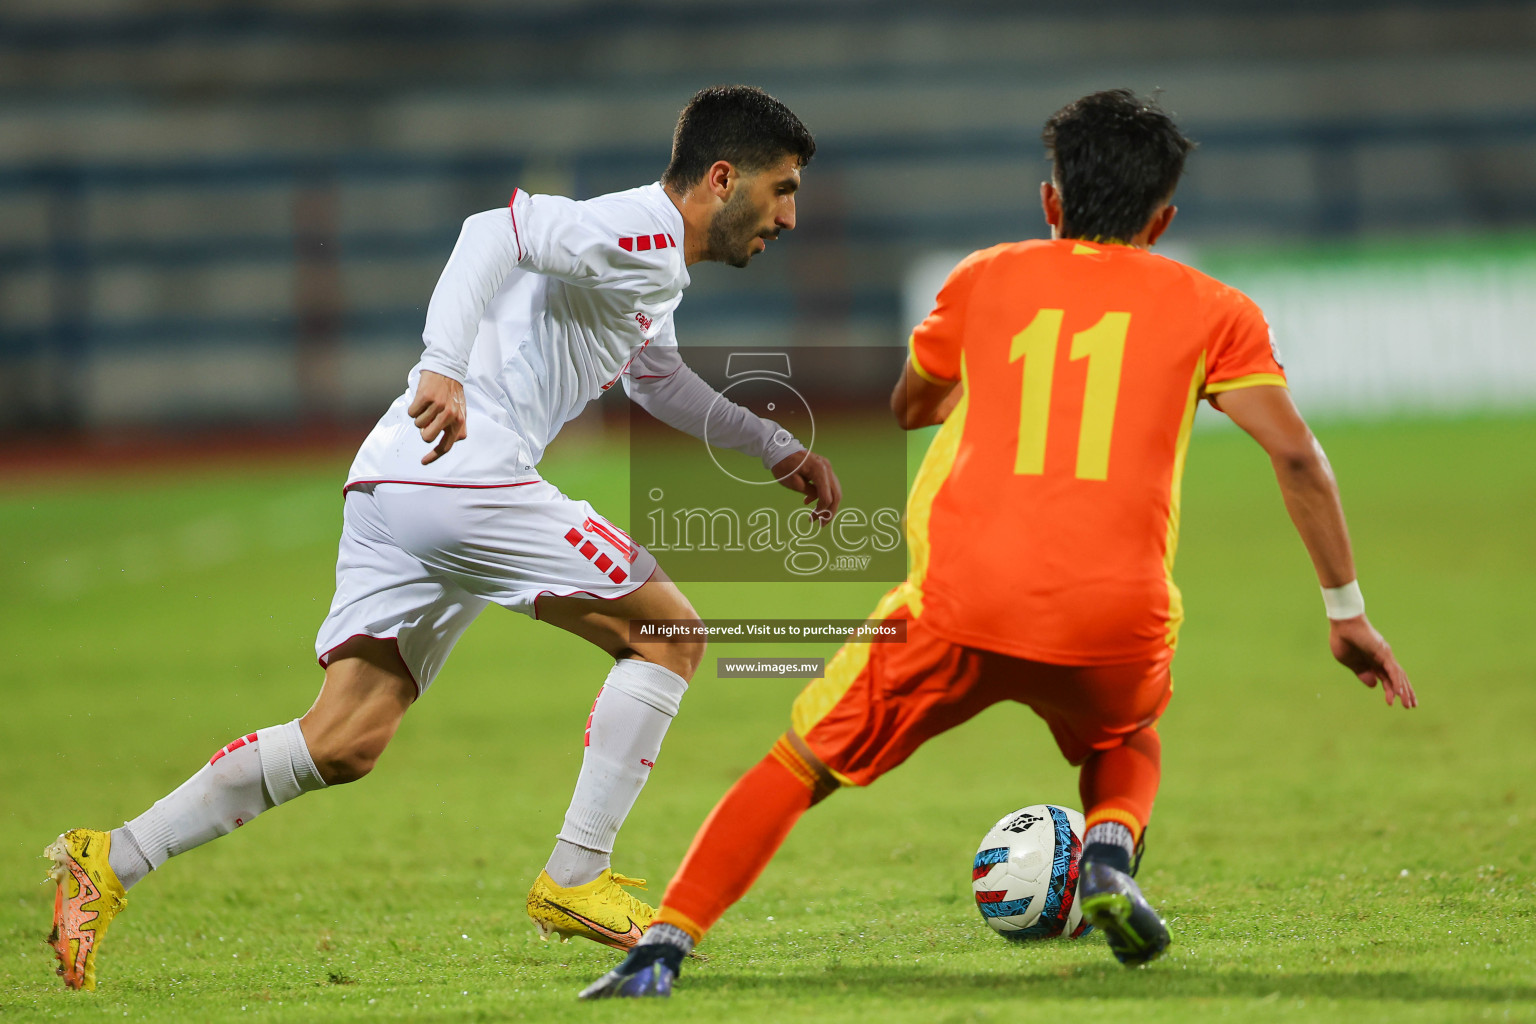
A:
1117,156
738,123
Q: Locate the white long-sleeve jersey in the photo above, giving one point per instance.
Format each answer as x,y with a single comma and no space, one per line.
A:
541,308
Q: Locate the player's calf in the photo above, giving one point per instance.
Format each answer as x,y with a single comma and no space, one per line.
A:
367,691
340,760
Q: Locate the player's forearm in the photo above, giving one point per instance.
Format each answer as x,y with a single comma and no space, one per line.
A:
485,254
913,416
684,401
1312,499
947,406
917,402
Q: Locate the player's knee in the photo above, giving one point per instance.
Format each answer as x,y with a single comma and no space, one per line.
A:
813,772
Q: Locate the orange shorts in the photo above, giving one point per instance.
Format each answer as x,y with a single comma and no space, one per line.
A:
879,702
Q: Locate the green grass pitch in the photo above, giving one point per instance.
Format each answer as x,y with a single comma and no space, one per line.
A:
1318,855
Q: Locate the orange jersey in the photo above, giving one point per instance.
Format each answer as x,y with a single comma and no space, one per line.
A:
1044,521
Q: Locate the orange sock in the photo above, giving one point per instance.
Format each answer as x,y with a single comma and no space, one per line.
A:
1120,784
738,839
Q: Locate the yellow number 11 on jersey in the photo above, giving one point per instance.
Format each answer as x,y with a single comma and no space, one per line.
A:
1103,345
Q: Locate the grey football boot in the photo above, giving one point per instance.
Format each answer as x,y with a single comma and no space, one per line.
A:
1113,903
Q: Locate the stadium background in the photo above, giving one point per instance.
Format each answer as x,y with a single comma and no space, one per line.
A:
214,214
219,227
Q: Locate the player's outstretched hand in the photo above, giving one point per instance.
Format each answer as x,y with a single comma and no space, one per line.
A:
439,411
1362,650
812,476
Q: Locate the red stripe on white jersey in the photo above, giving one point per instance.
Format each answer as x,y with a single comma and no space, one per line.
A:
645,243
613,535
515,234
625,367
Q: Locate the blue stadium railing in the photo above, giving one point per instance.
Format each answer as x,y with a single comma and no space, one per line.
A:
69,255
144,25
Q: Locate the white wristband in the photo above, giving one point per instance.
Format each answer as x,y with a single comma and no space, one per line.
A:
1344,602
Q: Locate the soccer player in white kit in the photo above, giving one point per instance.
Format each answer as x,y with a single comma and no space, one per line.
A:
542,307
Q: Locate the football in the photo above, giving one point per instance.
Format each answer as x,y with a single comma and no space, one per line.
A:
1025,874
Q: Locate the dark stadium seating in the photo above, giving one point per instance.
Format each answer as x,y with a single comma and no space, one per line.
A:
247,186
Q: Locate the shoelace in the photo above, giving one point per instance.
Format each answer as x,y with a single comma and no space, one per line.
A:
635,904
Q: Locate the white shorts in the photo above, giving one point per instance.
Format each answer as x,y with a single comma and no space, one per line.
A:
418,562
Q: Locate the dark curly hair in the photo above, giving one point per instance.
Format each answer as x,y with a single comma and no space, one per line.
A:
1117,156
739,123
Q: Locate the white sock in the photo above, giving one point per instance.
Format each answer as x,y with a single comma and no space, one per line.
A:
127,861
570,864
254,773
629,719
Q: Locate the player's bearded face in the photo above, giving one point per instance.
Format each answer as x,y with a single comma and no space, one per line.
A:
734,232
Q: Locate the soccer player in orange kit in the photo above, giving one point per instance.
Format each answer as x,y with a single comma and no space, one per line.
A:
1042,527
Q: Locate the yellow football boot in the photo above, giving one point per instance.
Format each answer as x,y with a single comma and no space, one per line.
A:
89,896
600,910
